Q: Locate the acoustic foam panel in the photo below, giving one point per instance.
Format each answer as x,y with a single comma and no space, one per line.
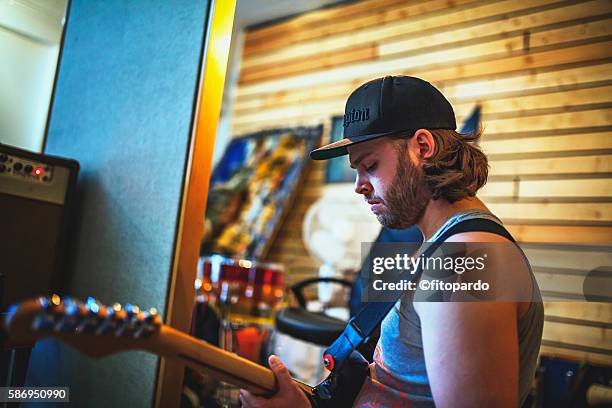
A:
123,106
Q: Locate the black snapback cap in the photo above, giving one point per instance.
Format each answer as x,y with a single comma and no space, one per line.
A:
389,106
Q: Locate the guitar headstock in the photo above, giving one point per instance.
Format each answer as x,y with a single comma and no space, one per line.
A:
91,327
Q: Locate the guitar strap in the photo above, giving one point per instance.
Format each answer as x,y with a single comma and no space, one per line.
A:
361,326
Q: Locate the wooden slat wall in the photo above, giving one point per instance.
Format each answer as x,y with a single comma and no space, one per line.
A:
542,72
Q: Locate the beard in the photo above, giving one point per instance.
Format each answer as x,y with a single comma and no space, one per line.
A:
406,200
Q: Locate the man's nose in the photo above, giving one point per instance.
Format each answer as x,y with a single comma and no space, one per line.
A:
363,186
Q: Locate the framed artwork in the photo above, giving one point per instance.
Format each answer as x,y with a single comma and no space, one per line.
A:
472,122
251,189
337,170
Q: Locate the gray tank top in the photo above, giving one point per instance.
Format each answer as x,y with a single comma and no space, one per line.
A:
398,376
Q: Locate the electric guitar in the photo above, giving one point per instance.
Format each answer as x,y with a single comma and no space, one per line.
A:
98,331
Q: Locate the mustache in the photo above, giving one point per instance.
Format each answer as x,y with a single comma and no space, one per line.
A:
373,198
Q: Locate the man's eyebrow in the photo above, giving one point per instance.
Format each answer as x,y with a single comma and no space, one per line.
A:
352,164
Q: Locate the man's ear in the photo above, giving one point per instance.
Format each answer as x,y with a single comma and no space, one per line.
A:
422,144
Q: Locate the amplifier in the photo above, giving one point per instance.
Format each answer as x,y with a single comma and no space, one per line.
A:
36,192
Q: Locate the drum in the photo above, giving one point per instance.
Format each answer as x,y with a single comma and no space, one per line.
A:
245,295
242,290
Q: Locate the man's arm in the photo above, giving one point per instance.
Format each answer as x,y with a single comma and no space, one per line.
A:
471,353
471,348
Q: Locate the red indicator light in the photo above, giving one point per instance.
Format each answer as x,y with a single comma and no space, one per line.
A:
38,171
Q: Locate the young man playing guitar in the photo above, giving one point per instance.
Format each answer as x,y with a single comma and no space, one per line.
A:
414,168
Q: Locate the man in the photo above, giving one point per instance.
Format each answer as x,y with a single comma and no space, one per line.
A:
414,168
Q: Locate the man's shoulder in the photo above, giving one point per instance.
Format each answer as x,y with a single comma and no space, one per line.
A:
477,236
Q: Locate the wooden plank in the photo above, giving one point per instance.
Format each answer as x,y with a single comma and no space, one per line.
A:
598,117
304,262
293,266
575,355
553,211
549,100
297,266
526,233
308,263
560,234
295,247
507,45
318,17
512,210
557,166
497,66
466,92
350,25
534,82
534,22
573,258
514,106
584,336
590,30
293,112
599,287
515,128
347,56
549,188
443,20
594,311
291,234
565,143
262,126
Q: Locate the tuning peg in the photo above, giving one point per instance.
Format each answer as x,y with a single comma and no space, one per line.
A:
72,315
45,319
49,309
90,312
134,317
129,320
50,304
152,317
71,306
121,317
138,324
130,311
150,324
106,323
55,300
44,303
109,318
93,307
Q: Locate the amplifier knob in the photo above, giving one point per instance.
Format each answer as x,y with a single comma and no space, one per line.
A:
17,166
3,157
2,168
28,169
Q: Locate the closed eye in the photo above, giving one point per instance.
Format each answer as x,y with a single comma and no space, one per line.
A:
371,169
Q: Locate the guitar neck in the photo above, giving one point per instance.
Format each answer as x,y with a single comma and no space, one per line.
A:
99,331
224,365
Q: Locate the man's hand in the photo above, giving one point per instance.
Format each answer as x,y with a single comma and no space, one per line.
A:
288,395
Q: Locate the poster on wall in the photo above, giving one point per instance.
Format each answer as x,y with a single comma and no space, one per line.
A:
337,169
251,189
